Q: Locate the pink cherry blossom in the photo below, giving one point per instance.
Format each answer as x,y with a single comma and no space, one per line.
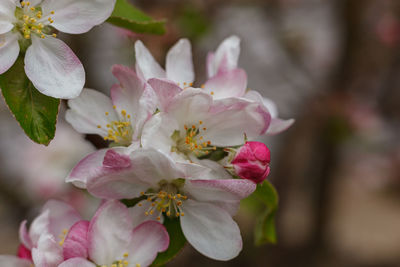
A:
42,244
203,204
111,238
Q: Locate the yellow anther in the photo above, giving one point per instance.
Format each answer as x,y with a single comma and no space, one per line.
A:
158,218
203,85
107,113
182,214
28,3
114,107
99,126
123,112
52,12
126,255
42,36
32,8
54,35
137,265
212,93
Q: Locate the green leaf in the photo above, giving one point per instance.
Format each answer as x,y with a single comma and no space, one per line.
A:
127,16
265,225
35,112
177,242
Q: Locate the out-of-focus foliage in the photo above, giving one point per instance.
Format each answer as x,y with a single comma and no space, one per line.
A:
35,112
127,16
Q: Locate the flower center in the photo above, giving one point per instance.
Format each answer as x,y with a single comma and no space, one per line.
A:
120,263
62,237
168,200
31,21
120,131
192,141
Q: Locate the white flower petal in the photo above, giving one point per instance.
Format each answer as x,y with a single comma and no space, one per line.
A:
24,235
53,68
146,63
147,240
211,230
7,17
61,217
278,125
109,233
77,16
77,262
89,110
179,63
9,50
39,226
138,213
225,193
14,261
48,252
227,55
157,132
249,118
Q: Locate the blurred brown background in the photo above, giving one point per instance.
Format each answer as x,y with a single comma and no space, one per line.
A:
333,65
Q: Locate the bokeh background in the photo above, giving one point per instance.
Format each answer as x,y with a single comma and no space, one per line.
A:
333,65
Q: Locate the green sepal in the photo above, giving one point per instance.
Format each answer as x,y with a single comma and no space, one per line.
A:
36,113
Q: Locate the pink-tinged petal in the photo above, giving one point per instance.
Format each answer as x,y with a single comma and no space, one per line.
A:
166,90
179,63
9,50
117,185
61,217
39,226
81,262
133,95
24,235
146,63
76,243
14,261
278,125
53,68
90,166
148,168
227,55
109,233
24,253
116,161
88,111
190,106
138,213
231,83
77,16
211,230
147,240
48,252
250,119
225,193
210,67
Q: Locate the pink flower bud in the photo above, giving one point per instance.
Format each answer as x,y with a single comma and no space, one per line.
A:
252,162
24,253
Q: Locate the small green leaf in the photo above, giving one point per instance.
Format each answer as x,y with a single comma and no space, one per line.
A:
35,112
265,225
177,242
127,16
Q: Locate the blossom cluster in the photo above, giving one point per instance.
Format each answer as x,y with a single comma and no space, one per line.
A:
181,149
